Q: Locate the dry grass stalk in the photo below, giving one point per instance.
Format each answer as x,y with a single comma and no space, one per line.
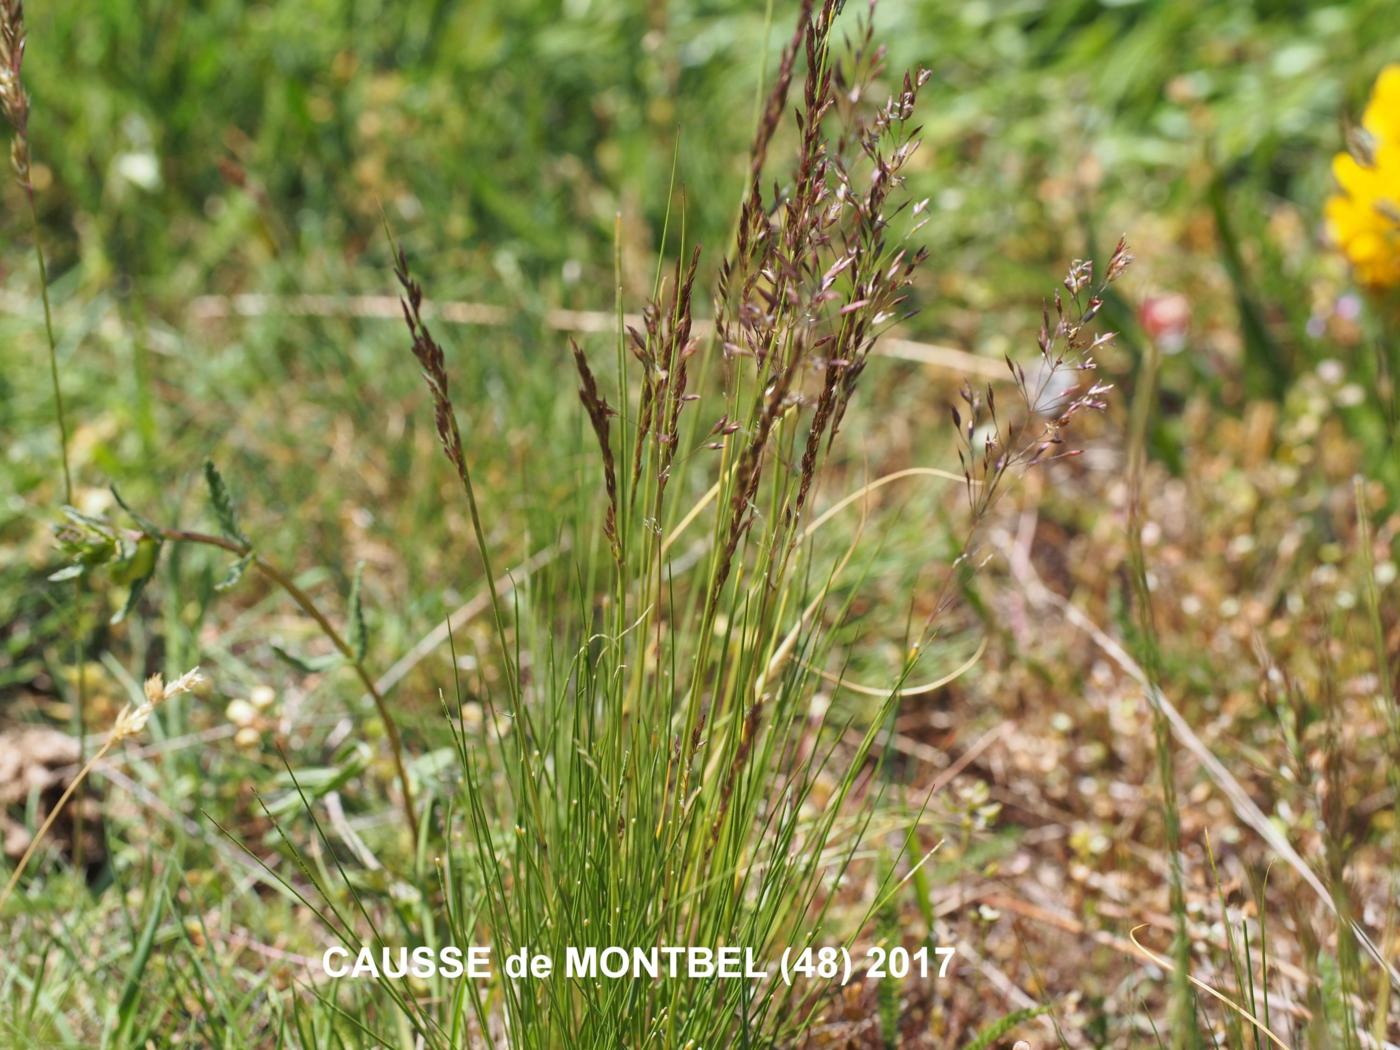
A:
1052,395
14,102
130,722
207,308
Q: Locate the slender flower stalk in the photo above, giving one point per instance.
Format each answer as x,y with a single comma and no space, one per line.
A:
433,363
130,722
1184,1022
14,101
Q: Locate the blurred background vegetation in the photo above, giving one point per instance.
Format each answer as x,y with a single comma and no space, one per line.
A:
190,149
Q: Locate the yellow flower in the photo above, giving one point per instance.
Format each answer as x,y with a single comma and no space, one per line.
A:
1364,219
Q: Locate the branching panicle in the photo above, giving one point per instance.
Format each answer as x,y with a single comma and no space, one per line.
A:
816,276
1056,390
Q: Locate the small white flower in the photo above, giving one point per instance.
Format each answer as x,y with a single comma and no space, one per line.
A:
241,713
141,170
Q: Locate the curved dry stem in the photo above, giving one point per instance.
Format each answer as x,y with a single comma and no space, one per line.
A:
908,690
880,482
790,639
1167,965
48,823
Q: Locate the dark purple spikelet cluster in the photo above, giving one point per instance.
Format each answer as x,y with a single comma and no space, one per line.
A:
664,350
600,414
433,364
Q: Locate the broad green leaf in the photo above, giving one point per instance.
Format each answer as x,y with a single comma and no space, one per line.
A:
77,517
133,595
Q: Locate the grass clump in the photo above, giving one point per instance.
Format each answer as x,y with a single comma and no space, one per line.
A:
666,769
664,774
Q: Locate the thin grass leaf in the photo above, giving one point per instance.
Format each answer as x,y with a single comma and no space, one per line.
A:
131,989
